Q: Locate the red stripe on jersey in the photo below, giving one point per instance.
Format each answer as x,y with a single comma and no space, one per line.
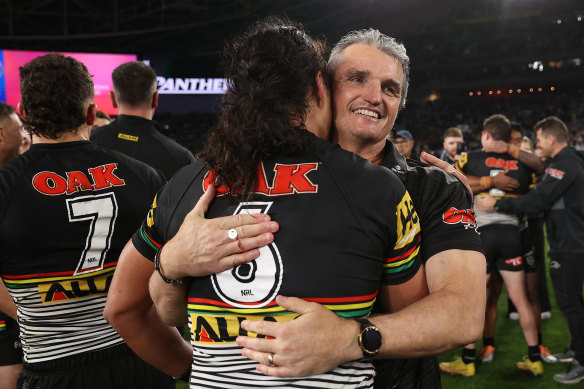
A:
406,254
40,275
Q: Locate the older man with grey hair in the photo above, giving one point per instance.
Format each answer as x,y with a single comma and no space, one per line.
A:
369,74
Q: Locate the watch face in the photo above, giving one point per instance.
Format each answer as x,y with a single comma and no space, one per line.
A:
371,338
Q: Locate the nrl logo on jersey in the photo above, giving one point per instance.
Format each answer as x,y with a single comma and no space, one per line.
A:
288,179
463,216
100,177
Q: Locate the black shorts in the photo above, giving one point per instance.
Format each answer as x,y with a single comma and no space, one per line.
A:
502,245
10,347
528,251
113,368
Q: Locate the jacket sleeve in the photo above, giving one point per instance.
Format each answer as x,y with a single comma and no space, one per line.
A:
557,179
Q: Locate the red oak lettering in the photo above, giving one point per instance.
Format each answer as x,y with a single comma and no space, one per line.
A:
501,163
287,180
463,216
52,184
292,178
77,181
49,183
104,176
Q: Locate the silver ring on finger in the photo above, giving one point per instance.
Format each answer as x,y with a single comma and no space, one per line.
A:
232,234
271,359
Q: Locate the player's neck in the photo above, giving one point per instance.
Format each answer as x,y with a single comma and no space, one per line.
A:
373,152
81,134
146,113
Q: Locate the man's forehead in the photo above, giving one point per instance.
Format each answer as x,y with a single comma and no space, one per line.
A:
361,57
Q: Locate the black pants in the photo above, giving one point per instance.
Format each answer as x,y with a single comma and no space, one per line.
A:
112,368
567,276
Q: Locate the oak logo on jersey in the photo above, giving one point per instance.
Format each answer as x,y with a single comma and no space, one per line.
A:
408,223
464,216
54,292
100,177
225,329
501,163
288,179
555,173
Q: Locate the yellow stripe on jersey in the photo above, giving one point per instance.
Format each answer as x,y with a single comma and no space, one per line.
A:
206,329
52,292
35,281
408,222
406,260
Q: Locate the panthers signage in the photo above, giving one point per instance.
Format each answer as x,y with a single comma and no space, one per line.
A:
191,86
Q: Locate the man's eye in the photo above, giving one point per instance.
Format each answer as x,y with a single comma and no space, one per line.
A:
356,79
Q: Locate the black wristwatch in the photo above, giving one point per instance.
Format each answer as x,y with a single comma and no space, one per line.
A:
369,338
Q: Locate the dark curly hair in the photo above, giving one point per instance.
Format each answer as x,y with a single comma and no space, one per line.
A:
54,91
271,68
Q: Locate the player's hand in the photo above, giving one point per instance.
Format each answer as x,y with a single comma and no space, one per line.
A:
432,160
315,342
202,246
504,182
485,203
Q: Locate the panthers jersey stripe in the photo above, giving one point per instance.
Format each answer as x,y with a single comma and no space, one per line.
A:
61,316
229,370
2,325
28,279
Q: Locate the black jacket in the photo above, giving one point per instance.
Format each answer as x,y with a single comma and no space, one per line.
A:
560,196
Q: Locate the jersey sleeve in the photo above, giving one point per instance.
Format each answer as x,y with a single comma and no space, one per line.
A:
446,215
460,165
403,260
148,239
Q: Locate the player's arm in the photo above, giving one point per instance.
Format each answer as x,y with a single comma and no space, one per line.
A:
170,300
6,302
529,159
200,247
318,340
130,311
539,199
500,181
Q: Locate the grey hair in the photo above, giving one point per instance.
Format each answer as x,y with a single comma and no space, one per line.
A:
375,38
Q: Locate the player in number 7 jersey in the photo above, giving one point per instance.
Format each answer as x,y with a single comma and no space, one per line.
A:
67,207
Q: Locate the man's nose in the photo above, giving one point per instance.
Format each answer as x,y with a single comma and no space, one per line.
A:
373,92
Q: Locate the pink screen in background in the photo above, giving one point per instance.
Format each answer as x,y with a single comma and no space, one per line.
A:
100,67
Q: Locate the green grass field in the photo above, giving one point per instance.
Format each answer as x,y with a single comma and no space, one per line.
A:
510,348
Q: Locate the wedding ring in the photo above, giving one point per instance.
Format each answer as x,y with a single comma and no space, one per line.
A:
232,234
271,359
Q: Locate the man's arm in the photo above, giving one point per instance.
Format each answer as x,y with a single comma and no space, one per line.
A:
205,249
539,199
500,181
130,311
170,300
6,303
318,340
531,160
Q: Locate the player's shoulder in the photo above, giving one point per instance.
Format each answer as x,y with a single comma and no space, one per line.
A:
102,132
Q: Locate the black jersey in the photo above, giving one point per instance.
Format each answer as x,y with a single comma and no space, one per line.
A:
479,163
559,194
339,239
140,138
447,220
66,212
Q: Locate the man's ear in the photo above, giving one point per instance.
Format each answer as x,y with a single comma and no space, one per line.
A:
112,96
91,114
20,110
155,100
321,92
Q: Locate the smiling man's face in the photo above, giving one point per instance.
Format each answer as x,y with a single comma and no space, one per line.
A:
367,89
